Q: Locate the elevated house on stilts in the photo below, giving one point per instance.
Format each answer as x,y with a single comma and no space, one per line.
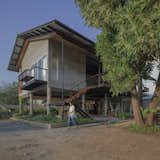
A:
57,64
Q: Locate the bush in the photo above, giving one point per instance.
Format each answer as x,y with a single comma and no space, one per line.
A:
123,115
146,111
145,129
5,114
42,118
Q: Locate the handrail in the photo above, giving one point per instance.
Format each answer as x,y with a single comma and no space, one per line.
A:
30,71
38,68
82,81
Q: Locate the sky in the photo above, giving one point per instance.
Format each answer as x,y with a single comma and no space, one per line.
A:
17,16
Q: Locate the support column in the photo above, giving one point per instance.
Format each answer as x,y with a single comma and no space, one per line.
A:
31,104
83,101
20,105
62,91
19,97
105,104
48,98
99,71
49,95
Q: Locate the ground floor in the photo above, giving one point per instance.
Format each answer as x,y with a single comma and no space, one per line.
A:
96,101
88,143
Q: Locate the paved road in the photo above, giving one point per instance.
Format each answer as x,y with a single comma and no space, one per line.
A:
14,126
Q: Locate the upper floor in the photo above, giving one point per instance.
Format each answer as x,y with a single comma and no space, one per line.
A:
56,54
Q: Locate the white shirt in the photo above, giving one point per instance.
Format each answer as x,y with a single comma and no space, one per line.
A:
71,111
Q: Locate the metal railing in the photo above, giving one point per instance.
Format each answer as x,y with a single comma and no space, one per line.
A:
93,80
24,74
36,73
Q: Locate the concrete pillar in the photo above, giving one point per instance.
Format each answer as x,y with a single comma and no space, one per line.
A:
20,105
105,104
48,98
83,101
50,53
31,104
99,72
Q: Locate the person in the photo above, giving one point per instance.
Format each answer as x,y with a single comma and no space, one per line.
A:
72,118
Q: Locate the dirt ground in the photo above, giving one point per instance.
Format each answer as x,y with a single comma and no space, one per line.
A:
84,143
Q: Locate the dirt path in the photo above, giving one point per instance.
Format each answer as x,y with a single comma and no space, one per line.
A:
93,143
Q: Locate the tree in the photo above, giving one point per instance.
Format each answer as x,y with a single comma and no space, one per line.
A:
154,102
9,93
128,43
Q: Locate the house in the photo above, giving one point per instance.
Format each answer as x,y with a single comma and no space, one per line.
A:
56,63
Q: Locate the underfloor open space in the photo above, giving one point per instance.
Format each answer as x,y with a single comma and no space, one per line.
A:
85,143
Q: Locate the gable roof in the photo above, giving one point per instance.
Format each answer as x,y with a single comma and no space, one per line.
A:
47,28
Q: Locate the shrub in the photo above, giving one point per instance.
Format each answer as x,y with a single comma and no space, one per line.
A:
5,114
146,111
123,115
42,118
145,129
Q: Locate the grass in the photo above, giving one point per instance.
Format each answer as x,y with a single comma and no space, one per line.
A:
52,119
145,129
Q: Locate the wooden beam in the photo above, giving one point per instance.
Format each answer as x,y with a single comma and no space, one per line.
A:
22,53
42,37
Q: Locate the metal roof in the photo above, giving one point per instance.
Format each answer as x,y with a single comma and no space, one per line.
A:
52,26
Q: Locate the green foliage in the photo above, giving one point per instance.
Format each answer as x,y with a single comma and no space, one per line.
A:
129,40
146,111
98,12
9,93
151,129
119,72
123,115
5,114
42,118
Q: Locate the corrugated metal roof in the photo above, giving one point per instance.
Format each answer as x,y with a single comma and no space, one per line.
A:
53,26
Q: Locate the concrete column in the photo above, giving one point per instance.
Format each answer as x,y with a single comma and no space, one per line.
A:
48,98
20,105
31,104
105,104
99,72
83,101
19,97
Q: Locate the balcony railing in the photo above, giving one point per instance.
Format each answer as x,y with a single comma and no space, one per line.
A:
25,76
34,77
36,73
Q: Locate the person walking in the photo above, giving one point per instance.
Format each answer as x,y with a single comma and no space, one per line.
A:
72,118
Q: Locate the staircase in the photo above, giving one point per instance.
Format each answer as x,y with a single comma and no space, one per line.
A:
92,82
80,92
76,96
83,113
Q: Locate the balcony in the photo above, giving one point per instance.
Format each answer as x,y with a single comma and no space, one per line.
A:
33,78
25,76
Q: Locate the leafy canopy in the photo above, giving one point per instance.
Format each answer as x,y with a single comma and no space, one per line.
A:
130,38
9,93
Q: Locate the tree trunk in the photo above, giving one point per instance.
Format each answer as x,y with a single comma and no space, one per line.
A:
153,105
136,107
154,102
140,92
